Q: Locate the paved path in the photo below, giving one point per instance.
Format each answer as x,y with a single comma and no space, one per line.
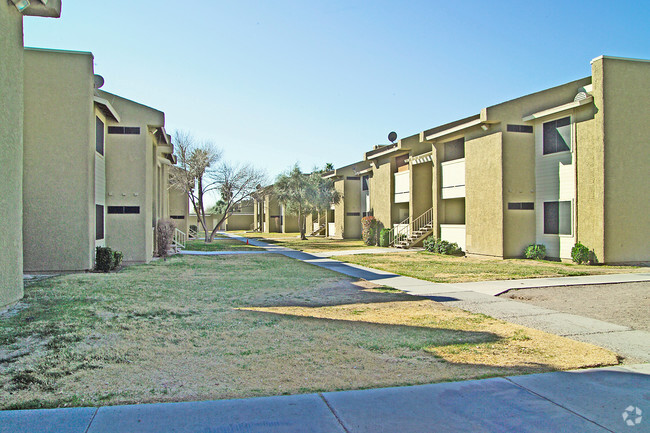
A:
221,253
575,401
480,297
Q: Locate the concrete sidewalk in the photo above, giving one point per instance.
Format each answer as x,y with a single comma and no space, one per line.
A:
480,297
596,400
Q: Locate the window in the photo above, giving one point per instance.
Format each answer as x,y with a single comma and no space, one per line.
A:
557,136
124,209
520,128
353,214
352,178
177,217
128,130
364,183
521,206
99,222
557,218
99,135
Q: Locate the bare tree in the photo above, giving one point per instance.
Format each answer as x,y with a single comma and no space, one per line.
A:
236,183
192,173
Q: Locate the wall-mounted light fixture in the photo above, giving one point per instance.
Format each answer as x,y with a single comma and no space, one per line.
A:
484,127
21,5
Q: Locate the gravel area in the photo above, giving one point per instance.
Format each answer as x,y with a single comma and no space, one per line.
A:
626,304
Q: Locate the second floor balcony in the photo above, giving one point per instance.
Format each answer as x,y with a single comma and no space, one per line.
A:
453,178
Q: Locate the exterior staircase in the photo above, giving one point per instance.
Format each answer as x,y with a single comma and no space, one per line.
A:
178,241
318,230
408,233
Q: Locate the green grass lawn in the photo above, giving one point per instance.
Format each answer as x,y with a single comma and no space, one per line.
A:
219,244
448,269
199,328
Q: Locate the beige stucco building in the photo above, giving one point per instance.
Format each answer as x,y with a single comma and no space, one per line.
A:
138,155
96,166
271,216
555,167
11,141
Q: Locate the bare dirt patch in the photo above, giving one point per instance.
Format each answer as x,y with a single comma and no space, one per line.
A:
626,304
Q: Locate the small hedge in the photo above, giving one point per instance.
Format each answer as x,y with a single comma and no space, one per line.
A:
384,237
164,237
535,252
581,254
440,246
369,230
106,259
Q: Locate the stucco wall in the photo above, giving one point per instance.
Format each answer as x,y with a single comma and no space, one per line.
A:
11,149
518,186
484,197
381,191
59,160
626,111
130,158
179,204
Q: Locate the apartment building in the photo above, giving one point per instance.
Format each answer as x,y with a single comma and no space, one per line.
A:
138,157
12,84
271,216
96,166
343,220
555,167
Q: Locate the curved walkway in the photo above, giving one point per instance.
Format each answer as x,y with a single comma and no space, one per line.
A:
480,297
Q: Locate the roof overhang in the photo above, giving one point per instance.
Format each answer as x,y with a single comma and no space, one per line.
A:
106,108
366,171
454,129
42,8
382,151
560,108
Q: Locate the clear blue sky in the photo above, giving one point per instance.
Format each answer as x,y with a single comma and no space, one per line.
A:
278,82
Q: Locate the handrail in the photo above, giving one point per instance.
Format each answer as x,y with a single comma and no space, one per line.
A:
392,233
406,227
180,238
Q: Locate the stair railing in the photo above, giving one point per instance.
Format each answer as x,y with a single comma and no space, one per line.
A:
423,220
397,232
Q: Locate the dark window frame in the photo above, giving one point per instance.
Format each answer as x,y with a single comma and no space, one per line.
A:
552,217
552,141
526,129
99,222
99,135
124,130
364,183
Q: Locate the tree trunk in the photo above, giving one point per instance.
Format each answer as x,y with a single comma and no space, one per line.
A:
302,220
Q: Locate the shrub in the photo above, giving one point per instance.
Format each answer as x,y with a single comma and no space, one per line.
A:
369,230
194,228
164,237
117,259
429,244
535,251
581,254
384,237
103,259
440,246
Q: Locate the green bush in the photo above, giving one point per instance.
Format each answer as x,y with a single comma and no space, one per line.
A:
369,230
384,237
440,246
581,254
117,259
103,259
429,244
535,251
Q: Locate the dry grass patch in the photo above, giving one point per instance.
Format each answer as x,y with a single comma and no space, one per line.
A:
447,269
199,328
507,345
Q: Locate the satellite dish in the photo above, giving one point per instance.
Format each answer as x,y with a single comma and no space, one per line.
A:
392,136
98,81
